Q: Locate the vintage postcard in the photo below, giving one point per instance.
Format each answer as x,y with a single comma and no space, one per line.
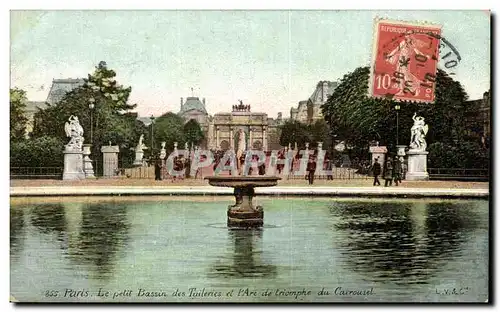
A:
250,156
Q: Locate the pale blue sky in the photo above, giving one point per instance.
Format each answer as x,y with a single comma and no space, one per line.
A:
269,59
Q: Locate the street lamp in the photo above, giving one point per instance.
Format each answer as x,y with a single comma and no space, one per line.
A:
91,107
397,107
152,132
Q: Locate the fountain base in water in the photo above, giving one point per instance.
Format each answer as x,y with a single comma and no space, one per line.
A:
243,214
245,219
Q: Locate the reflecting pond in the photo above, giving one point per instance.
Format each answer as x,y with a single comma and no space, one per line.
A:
310,250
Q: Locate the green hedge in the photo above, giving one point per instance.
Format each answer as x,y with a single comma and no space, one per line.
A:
38,152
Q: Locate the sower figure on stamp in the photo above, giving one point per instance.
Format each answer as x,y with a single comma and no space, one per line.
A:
376,169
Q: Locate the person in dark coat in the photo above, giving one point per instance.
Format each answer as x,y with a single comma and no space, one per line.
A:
311,169
262,167
187,165
158,167
388,172
376,169
398,171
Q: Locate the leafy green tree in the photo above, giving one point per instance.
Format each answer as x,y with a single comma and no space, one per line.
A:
320,132
110,116
168,128
294,131
18,119
46,151
193,133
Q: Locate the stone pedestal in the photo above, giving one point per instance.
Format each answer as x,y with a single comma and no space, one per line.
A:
417,166
401,150
110,161
73,165
378,152
139,155
87,162
243,213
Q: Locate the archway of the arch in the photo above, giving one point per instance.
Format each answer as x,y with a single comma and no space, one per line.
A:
224,145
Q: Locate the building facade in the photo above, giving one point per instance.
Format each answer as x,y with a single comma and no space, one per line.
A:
57,91
309,111
221,130
478,120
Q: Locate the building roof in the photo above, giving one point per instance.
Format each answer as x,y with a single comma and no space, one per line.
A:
323,90
193,103
60,87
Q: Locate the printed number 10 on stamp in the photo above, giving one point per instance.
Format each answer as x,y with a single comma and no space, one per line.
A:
404,61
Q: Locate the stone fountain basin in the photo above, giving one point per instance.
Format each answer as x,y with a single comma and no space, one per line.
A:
243,181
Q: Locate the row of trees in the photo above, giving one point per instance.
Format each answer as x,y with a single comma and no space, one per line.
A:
102,106
293,131
359,119
350,115
171,128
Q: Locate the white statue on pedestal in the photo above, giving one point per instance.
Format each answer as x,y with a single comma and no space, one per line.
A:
241,147
140,146
74,131
163,152
418,132
73,153
139,151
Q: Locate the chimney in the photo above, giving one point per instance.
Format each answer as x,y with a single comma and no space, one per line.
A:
182,102
203,101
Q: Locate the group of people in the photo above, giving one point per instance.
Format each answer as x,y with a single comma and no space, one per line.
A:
391,171
179,163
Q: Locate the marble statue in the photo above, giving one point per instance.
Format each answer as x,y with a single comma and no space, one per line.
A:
140,146
418,132
74,131
139,152
163,152
241,147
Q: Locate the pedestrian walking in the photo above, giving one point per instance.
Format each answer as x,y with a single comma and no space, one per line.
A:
311,169
398,170
376,169
158,167
404,167
388,172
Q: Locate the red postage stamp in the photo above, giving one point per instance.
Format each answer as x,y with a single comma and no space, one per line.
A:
404,61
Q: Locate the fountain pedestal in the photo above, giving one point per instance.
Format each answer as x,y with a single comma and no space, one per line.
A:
243,213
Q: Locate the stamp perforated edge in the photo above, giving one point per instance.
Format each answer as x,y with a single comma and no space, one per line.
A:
376,21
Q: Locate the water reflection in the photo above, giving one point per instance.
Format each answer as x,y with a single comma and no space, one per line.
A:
99,234
50,219
17,230
245,260
404,243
